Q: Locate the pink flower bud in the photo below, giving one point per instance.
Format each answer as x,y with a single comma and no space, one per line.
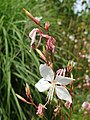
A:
47,24
67,104
50,44
40,110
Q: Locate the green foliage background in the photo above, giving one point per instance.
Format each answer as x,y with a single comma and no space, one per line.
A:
19,66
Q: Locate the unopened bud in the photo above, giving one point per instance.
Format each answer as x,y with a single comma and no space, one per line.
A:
69,66
47,24
67,104
21,98
40,110
27,90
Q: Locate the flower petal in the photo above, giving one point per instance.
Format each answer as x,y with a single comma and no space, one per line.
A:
42,85
63,80
63,93
32,35
46,72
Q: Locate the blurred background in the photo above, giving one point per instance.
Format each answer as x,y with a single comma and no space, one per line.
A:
70,26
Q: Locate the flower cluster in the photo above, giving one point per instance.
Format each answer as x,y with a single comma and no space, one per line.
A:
50,41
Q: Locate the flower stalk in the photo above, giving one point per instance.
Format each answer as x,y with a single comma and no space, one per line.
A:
54,82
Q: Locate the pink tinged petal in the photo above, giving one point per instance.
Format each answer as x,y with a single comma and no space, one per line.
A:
40,110
63,93
46,72
63,80
32,35
42,85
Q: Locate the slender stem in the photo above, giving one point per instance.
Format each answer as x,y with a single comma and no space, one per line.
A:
71,86
34,105
41,55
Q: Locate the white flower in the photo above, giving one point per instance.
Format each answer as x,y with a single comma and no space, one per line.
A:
49,83
71,37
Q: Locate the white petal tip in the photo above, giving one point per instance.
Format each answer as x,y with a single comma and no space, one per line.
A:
38,88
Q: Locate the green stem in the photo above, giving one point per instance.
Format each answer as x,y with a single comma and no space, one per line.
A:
52,60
